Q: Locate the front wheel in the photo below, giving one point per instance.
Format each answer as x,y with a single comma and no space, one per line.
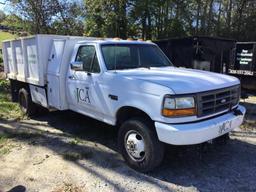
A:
139,145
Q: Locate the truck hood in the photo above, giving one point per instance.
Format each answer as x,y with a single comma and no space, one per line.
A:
181,80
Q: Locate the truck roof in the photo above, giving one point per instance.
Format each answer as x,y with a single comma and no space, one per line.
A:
114,41
97,40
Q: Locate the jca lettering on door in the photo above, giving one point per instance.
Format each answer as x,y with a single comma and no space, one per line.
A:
82,95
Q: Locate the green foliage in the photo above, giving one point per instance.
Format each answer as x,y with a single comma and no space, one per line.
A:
4,86
70,21
6,35
77,155
106,18
15,23
3,138
47,16
147,19
8,109
4,147
171,18
2,16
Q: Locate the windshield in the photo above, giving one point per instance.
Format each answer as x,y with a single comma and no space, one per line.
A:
129,56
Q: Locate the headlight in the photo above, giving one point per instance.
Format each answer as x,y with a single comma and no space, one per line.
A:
185,102
180,106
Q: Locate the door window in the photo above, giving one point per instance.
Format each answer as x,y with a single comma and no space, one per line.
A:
87,55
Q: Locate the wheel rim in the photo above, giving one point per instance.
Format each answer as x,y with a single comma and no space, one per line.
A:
135,145
23,103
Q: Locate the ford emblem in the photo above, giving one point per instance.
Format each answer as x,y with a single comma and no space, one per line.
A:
223,100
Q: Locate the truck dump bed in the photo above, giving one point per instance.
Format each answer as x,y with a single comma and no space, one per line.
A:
26,59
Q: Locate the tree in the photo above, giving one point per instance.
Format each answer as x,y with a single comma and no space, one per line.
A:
15,23
147,19
106,18
50,16
2,16
69,20
37,12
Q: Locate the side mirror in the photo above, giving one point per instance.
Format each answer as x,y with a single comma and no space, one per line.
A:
77,66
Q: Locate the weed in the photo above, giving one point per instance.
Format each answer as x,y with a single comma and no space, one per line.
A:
74,156
68,187
75,141
5,147
3,138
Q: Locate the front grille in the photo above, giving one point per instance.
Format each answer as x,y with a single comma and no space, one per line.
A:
217,101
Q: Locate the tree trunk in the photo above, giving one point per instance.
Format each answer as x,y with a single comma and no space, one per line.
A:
209,23
240,13
218,22
203,19
198,16
229,11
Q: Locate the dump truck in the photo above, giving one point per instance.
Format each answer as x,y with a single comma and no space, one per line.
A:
243,65
129,84
202,52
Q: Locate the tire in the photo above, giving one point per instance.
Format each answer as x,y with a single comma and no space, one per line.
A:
26,104
14,91
148,155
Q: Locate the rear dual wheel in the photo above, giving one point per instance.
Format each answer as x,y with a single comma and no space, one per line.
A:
26,104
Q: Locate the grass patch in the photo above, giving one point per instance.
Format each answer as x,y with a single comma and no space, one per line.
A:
23,135
68,187
75,141
248,125
5,148
6,139
6,36
8,109
26,135
3,138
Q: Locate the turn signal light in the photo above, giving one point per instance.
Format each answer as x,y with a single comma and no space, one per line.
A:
178,112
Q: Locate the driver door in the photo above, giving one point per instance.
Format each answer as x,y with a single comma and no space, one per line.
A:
82,81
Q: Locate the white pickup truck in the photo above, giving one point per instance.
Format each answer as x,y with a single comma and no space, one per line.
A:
129,84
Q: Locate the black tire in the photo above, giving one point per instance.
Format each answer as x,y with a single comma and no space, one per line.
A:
26,104
154,149
14,91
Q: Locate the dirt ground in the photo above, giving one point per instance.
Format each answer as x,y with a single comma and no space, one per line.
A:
67,152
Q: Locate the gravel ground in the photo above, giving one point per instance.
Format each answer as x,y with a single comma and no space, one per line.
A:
67,152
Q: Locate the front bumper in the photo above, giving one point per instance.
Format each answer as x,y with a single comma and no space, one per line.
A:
199,132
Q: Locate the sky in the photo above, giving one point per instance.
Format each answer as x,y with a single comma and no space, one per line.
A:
3,7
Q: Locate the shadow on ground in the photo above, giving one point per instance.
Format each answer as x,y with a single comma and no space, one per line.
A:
250,110
230,167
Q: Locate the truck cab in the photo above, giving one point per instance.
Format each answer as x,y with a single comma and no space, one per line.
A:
132,85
